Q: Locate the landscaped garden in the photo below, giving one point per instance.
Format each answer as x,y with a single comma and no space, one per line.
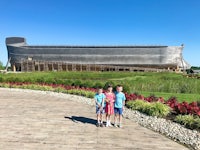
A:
167,95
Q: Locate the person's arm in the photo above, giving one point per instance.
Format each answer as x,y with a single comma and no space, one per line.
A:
124,101
96,101
102,102
114,97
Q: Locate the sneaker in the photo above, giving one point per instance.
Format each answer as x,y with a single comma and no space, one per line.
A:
110,125
115,125
101,124
97,124
120,126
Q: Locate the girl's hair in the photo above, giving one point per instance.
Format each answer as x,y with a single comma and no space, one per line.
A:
109,86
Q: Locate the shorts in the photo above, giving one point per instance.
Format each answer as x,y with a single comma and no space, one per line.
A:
100,111
118,111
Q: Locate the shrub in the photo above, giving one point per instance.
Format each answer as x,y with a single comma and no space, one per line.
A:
109,83
29,80
4,85
76,83
126,88
67,82
139,105
1,79
153,109
59,90
189,121
90,94
98,85
40,80
87,84
49,80
15,79
158,109
59,81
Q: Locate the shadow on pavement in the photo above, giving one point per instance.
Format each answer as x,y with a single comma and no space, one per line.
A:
77,119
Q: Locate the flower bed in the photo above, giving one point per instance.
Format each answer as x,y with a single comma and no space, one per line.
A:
178,108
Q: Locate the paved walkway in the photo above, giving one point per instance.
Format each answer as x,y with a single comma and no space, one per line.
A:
35,121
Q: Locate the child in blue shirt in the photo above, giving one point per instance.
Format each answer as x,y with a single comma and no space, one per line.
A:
99,100
119,105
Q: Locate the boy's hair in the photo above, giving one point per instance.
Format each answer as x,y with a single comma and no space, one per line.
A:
99,88
119,85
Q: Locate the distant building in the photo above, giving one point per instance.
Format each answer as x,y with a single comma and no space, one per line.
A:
24,57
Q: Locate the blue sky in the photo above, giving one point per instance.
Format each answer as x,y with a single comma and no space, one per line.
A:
103,22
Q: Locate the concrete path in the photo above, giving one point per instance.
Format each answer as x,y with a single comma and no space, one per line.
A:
35,121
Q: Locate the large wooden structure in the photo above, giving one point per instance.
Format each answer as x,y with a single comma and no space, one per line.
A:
29,65
24,57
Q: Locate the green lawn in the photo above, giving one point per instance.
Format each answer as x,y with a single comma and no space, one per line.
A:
160,84
181,97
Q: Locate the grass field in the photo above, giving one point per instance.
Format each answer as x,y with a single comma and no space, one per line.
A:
180,96
159,84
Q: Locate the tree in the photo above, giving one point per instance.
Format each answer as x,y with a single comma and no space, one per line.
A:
1,66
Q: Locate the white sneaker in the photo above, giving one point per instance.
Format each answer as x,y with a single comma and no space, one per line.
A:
115,125
109,124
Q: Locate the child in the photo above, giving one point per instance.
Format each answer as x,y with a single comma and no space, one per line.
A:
119,105
99,100
110,99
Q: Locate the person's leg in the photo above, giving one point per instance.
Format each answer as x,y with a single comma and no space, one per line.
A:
107,121
109,124
116,115
101,118
120,117
98,116
98,120
116,120
120,120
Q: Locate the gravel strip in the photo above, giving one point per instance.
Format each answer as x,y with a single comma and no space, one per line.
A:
175,131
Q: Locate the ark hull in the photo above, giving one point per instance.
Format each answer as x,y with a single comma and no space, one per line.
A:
127,56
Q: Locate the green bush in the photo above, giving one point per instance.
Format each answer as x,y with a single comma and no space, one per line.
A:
59,81
98,85
137,105
40,80
76,83
158,109
59,90
67,82
126,88
49,80
1,66
153,109
29,79
189,121
1,79
109,83
88,84
88,94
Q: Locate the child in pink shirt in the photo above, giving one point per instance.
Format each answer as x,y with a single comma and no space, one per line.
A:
109,109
